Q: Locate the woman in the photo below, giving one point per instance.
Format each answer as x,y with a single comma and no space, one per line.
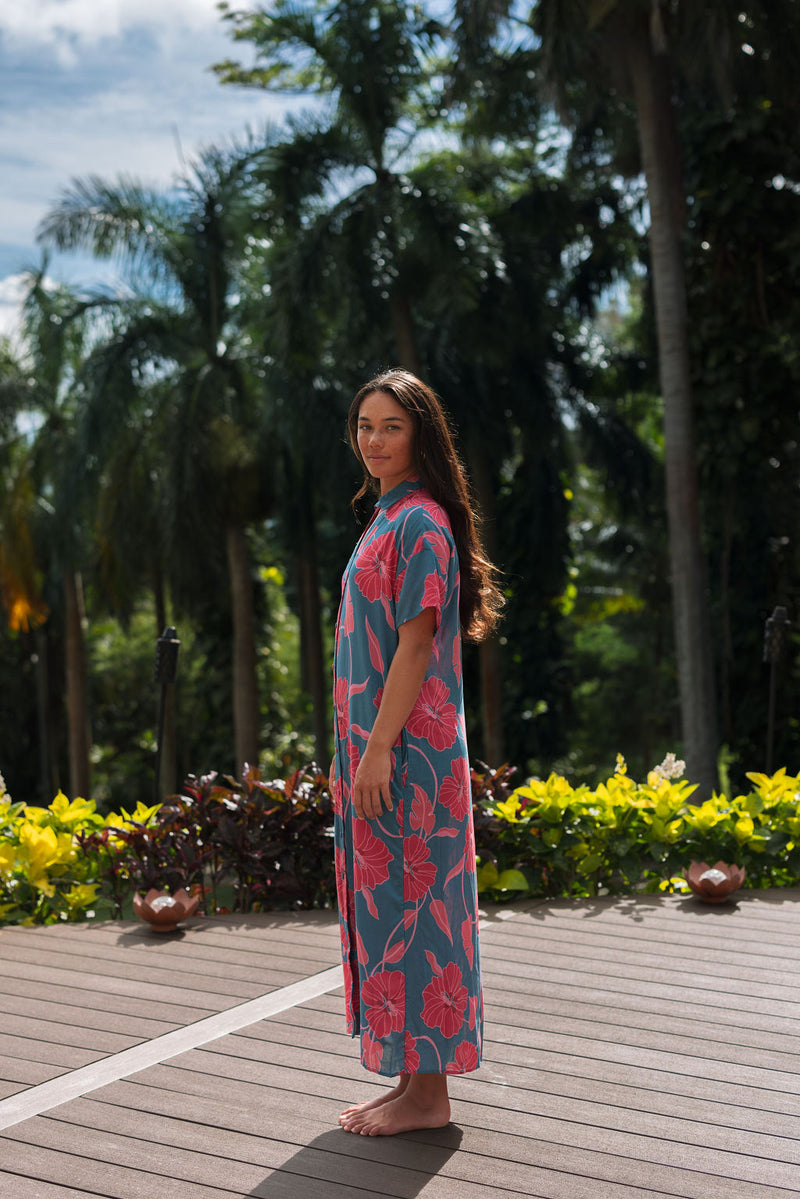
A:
405,851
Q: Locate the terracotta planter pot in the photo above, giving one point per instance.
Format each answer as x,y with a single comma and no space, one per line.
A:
713,884
163,911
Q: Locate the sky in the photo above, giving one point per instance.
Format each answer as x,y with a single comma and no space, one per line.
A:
104,87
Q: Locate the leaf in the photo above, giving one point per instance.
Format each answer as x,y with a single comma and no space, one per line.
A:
439,913
511,880
447,832
395,953
466,939
457,869
370,902
487,876
375,655
422,817
434,965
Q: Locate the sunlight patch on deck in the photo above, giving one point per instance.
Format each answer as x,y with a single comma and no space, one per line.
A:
38,1099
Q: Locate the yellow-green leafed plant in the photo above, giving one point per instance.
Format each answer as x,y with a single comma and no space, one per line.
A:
548,838
44,875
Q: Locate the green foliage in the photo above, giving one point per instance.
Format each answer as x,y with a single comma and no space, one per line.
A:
267,842
550,838
270,841
426,208
44,876
742,266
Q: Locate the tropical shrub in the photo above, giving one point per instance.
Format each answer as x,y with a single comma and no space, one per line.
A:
268,844
250,845
44,877
548,838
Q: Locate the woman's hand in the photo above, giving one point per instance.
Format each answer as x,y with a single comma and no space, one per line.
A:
370,788
370,791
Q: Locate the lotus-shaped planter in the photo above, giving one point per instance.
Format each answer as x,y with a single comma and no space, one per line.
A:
163,911
713,884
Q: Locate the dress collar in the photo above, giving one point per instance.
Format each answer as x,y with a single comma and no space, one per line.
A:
399,492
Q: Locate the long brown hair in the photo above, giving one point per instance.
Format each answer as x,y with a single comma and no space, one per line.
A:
438,465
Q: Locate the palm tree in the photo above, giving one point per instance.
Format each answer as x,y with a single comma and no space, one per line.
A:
368,261
186,248
587,48
43,511
368,63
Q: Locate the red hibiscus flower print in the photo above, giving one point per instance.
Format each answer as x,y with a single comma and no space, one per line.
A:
411,1055
440,546
341,693
445,1001
456,794
465,1059
419,872
371,857
375,567
337,796
371,1053
384,999
433,717
340,868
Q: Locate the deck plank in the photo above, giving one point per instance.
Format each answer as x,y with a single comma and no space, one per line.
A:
639,1047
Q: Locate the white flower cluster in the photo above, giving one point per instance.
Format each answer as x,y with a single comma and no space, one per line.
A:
670,768
2,787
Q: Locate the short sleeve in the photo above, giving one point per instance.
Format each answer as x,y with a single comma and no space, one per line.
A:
425,567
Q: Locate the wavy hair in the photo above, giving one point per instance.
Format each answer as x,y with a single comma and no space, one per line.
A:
438,465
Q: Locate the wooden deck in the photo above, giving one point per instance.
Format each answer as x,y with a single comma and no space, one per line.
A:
636,1047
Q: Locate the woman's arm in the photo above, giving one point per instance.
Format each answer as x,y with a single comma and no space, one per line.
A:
403,682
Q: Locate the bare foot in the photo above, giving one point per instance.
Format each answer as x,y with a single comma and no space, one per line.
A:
422,1104
369,1104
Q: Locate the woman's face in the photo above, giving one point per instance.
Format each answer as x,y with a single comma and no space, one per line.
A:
386,439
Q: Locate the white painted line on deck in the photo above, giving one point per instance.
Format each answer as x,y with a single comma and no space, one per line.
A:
60,1090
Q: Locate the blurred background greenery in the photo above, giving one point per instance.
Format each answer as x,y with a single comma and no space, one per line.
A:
469,194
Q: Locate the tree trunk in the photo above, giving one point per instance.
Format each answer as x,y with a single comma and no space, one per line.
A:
246,720
314,673
48,769
78,738
491,670
650,77
167,782
405,334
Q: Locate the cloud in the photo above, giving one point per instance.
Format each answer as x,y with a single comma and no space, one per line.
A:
67,26
137,104
107,87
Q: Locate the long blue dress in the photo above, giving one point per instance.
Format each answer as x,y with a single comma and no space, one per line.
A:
406,880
